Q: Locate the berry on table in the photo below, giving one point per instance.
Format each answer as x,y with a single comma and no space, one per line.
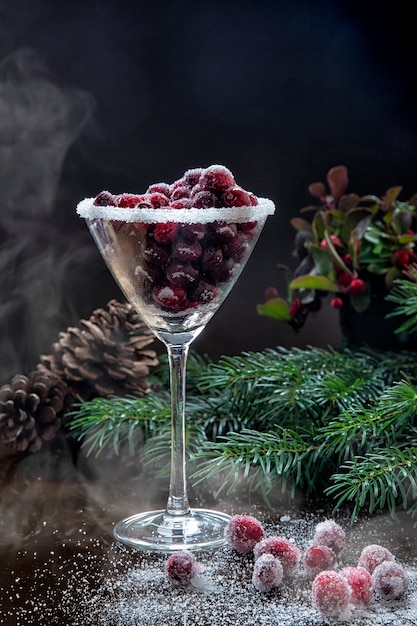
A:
267,573
287,552
318,558
373,555
331,594
390,580
243,532
181,567
330,533
360,583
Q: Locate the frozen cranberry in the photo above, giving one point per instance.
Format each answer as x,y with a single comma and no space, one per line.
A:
186,250
318,558
203,199
104,198
158,200
182,191
164,233
223,273
169,296
192,176
212,258
331,594
390,580
193,231
237,247
236,196
360,583
216,177
243,532
203,293
162,188
156,253
150,271
222,231
373,555
181,203
248,227
181,274
287,552
330,533
128,200
181,567
267,573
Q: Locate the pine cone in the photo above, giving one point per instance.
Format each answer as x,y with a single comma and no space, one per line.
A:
30,410
105,355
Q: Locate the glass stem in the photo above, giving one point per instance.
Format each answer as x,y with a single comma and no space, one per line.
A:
178,499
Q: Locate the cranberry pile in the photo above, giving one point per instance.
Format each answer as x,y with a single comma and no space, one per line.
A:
183,264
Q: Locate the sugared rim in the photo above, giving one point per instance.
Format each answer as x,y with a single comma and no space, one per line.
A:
87,209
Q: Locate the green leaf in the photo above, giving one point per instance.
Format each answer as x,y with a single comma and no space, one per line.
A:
300,224
314,282
276,308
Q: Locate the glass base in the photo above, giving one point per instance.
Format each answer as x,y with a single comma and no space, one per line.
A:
200,529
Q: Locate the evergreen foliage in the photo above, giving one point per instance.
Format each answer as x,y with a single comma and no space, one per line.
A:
335,423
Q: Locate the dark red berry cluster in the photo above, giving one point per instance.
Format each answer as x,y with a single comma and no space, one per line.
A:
183,264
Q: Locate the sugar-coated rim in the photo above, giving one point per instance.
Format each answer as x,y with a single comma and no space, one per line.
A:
87,209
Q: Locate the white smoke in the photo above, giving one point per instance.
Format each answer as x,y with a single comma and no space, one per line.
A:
38,123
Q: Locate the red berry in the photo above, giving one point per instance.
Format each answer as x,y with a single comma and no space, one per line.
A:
156,253
182,191
193,231
164,233
128,200
237,247
222,231
212,258
181,567
336,303
248,227
181,274
295,307
267,573
203,293
243,532
331,594
318,558
373,555
186,250
283,549
236,196
329,533
181,203
163,188
203,200
104,198
344,280
216,177
357,286
169,296
158,200
390,580
360,583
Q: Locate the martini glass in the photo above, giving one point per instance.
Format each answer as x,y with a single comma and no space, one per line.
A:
176,267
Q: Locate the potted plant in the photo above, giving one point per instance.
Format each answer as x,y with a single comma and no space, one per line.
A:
352,247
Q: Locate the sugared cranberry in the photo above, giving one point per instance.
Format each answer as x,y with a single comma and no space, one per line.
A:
330,533
267,573
186,250
287,552
318,558
203,293
181,567
203,200
223,273
236,196
181,274
156,253
158,200
216,177
243,532
331,594
193,231
169,296
248,227
223,231
104,198
212,258
192,176
181,203
128,200
182,191
237,247
390,580
162,188
373,555
164,233
360,583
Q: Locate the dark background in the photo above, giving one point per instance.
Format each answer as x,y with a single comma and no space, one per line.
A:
117,95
